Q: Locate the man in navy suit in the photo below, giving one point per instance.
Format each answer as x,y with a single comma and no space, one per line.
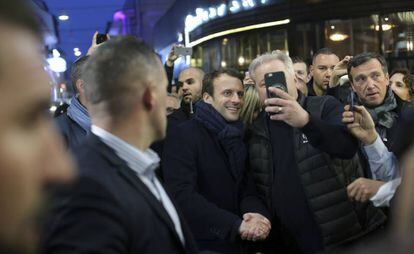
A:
204,165
118,205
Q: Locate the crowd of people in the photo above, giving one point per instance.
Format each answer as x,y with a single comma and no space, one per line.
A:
218,162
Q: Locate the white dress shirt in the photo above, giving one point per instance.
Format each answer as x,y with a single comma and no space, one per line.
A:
143,164
384,167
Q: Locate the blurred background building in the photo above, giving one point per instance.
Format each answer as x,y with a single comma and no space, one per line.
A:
230,33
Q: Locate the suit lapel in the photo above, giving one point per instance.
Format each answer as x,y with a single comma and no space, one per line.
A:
130,176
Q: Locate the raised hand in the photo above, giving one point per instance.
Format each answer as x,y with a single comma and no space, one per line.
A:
360,124
172,56
285,108
339,70
94,45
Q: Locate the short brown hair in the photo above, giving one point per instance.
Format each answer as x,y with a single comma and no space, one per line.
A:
208,80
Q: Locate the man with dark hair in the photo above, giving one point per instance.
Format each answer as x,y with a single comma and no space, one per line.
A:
301,73
75,123
323,63
204,167
368,74
32,156
118,205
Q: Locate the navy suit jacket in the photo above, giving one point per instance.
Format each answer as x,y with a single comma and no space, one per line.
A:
212,197
110,210
71,131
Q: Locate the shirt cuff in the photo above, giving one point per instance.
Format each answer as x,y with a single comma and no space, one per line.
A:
375,150
385,193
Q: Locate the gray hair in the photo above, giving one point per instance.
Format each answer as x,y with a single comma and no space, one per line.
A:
268,57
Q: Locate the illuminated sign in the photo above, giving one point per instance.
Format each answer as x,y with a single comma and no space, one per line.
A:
204,15
233,31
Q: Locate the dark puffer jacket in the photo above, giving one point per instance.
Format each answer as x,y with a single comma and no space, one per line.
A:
324,180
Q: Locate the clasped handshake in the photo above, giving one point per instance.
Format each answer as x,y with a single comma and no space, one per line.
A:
254,227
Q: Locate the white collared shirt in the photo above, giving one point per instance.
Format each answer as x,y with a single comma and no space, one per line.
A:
384,166
143,164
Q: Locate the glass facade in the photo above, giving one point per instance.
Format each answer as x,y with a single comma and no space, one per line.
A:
398,39
238,50
351,37
389,34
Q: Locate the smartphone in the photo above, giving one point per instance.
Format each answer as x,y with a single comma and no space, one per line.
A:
180,51
275,79
351,101
101,38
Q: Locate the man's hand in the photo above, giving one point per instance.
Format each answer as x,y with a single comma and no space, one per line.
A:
172,56
94,46
339,70
285,108
362,189
360,124
254,227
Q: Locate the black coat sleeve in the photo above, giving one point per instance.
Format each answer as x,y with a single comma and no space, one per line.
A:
170,72
250,202
207,220
85,219
329,134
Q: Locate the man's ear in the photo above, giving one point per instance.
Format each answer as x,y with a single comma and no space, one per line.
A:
80,86
295,80
311,70
352,86
207,98
387,76
148,99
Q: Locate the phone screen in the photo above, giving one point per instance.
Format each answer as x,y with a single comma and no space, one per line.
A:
275,79
351,101
181,51
101,38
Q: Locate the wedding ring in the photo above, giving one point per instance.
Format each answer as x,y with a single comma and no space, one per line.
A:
279,109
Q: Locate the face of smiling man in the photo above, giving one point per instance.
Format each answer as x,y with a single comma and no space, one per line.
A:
227,97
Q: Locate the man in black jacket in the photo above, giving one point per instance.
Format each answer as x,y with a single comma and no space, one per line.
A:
204,167
74,123
323,63
189,85
189,88
368,75
294,151
118,205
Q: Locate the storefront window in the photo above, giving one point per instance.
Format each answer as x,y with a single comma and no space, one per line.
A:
398,34
237,51
351,37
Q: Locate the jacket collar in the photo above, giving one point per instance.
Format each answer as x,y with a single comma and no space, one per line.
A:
131,178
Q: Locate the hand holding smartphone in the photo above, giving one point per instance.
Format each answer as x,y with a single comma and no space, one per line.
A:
101,38
182,51
351,101
277,80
